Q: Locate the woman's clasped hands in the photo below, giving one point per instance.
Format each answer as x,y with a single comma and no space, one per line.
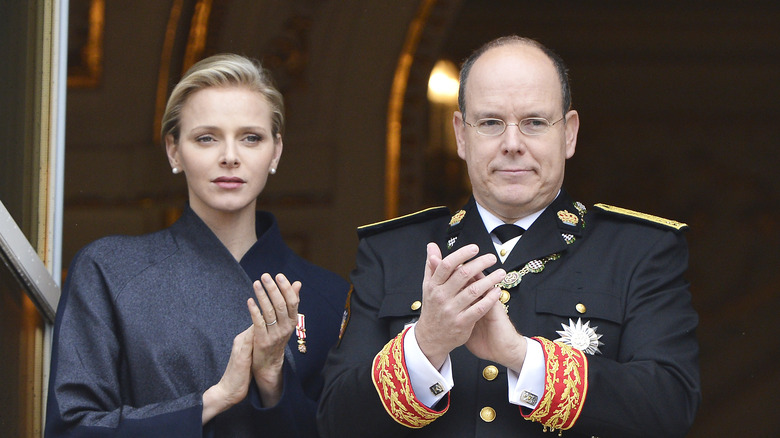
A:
258,351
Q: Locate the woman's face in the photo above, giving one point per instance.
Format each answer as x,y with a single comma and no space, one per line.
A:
226,149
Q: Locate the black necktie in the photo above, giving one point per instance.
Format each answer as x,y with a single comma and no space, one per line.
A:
507,231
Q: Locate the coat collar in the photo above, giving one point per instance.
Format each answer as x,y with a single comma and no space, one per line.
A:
269,253
466,227
543,238
190,231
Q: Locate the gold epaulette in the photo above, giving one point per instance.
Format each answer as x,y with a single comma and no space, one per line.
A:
412,218
679,226
391,380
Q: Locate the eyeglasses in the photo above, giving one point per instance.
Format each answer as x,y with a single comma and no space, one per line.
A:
529,126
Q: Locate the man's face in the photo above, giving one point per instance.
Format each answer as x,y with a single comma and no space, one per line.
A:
514,174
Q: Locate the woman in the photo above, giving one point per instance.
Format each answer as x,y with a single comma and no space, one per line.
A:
159,335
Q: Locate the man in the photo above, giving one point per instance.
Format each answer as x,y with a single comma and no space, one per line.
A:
581,323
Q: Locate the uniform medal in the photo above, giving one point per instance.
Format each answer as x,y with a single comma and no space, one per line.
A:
300,331
581,336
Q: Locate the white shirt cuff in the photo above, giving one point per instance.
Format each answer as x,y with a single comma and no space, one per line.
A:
429,384
527,387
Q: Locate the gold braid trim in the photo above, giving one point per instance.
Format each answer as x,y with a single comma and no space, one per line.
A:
391,380
644,216
565,387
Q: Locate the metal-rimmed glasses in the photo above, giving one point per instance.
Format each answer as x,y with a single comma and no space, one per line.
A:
492,127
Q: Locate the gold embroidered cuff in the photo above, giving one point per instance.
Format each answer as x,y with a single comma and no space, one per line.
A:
565,386
391,380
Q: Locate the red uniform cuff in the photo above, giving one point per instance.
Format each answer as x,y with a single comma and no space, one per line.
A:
391,380
565,386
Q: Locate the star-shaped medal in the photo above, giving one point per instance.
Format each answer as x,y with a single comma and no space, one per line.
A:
580,336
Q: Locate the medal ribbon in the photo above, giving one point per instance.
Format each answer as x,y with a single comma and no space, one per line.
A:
300,331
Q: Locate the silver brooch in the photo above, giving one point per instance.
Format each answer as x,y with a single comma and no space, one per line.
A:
580,336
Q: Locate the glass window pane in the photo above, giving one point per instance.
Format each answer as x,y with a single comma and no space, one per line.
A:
24,123
21,337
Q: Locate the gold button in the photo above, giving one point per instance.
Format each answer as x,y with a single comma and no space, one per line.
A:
580,308
487,414
490,372
504,297
416,305
502,252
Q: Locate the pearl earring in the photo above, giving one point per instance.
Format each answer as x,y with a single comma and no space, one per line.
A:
175,170
272,171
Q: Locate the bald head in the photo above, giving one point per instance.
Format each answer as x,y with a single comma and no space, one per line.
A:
556,61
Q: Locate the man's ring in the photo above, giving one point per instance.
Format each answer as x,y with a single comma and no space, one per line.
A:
270,323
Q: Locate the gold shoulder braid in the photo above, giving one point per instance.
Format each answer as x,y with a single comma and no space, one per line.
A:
412,218
679,226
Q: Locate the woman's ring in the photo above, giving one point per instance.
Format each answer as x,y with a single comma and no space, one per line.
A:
268,324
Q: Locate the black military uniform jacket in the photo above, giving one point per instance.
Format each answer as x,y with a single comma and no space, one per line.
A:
620,274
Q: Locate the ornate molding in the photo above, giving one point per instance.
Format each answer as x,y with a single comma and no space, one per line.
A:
407,108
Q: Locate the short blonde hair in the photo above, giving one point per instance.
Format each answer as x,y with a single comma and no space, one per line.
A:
223,70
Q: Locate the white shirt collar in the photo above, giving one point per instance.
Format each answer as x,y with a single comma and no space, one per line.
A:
491,221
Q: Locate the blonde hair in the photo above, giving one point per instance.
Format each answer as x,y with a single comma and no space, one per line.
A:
223,70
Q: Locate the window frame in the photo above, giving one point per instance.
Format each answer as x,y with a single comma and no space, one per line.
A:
33,257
